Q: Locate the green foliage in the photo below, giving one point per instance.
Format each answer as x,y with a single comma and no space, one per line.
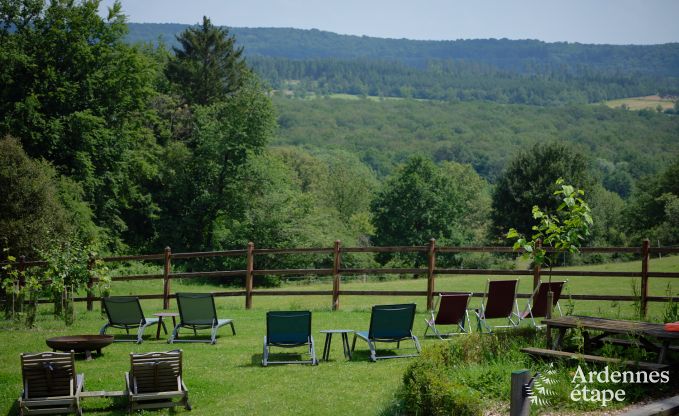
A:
653,211
453,80
67,272
564,230
18,286
74,94
202,176
37,206
671,311
487,136
207,67
424,201
528,183
465,375
428,391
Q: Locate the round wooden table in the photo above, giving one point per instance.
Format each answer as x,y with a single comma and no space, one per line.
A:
162,315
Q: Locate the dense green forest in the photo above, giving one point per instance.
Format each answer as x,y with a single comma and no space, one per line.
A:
523,55
505,71
456,80
125,147
485,135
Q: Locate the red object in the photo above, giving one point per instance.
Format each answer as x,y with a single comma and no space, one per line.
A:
672,327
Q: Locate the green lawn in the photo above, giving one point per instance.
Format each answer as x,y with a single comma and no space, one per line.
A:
227,378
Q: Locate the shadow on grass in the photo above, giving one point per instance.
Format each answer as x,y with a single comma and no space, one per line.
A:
14,410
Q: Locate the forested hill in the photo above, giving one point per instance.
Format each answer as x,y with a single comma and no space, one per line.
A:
530,56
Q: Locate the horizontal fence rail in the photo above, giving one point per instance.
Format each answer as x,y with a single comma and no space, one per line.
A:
336,271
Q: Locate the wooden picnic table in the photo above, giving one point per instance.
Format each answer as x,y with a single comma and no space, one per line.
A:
640,331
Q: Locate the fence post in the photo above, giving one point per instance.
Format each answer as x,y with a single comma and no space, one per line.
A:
645,259
90,282
519,404
336,275
166,279
431,264
249,274
536,267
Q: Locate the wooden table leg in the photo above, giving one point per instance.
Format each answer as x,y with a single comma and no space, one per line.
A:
558,343
662,354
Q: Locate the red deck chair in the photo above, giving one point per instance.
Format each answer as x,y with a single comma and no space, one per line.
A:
499,301
452,310
537,304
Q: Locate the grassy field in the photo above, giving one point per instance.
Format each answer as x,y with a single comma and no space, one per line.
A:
227,378
650,102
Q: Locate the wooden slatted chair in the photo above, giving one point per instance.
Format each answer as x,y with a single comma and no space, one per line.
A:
51,384
155,381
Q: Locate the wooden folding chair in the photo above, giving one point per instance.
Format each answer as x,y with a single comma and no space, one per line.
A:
51,384
155,381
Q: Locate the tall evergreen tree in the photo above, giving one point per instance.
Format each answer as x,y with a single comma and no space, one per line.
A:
207,66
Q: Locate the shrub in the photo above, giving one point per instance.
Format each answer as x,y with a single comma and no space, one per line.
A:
428,390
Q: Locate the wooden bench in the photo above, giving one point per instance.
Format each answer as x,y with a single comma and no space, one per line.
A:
541,352
631,343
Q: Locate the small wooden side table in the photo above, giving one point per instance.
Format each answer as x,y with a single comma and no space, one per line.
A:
345,342
162,315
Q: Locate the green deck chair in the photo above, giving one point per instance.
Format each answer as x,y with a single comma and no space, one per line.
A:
51,384
288,329
155,381
389,323
198,311
124,312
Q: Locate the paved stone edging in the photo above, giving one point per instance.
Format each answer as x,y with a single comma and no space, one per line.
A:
664,407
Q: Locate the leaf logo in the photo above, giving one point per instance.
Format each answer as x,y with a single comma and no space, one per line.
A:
540,394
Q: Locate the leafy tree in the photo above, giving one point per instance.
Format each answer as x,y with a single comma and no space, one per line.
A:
207,67
529,181
652,208
564,229
423,201
37,208
348,185
202,177
76,95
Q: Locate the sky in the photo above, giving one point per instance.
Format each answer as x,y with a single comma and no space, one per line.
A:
583,21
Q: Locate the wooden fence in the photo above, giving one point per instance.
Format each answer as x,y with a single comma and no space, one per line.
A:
431,271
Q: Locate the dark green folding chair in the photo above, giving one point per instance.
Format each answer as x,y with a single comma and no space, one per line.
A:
288,329
124,312
198,311
389,323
